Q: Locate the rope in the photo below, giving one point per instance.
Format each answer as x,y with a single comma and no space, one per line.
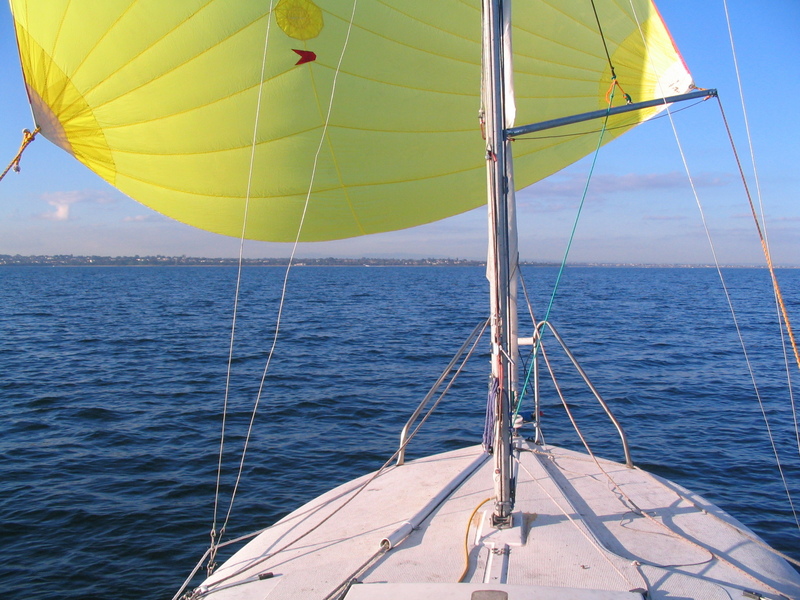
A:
323,136
601,550
341,590
296,243
27,138
778,299
563,265
725,290
764,221
605,45
568,411
614,82
488,423
215,539
369,480
739,530
763,240
673,533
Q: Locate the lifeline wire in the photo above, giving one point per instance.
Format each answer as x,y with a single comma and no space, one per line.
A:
724,288
637,510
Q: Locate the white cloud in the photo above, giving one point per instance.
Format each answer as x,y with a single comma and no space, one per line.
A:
61,212
571,185
62,202
143,218
664,217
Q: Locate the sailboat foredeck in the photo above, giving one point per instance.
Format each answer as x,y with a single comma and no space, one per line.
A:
591,529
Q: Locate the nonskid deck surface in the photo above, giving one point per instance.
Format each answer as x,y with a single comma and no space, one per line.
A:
582,529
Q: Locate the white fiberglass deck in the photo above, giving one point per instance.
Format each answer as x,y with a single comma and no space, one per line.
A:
576,535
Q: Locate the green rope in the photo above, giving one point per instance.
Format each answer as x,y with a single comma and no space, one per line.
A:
566,252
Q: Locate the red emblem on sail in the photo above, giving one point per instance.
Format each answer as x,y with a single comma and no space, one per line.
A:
305,56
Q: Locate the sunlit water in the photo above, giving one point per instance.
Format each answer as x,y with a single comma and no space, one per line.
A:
113,381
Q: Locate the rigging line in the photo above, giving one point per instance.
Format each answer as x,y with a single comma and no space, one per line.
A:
750,368
762,238
585,531
779,299
340,591
530,313
605,45
634,507
780,304
536,336
27,137
643,513
765,243
744,114
574,422
569,246
614,81
370,479
686,498
534,138
751,537
207,552
312,178
214,539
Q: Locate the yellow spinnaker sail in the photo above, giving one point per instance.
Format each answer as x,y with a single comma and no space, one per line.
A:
160,99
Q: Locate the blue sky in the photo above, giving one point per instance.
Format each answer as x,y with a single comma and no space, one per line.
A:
640,208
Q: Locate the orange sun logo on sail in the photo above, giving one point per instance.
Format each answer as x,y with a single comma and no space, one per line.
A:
299,19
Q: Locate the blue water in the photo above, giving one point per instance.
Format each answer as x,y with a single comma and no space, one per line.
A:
113,381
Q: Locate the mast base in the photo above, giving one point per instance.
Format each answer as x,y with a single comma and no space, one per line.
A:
499,522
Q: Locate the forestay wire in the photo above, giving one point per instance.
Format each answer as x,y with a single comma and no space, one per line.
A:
323,136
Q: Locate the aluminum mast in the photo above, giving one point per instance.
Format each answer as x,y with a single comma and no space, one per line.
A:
503,258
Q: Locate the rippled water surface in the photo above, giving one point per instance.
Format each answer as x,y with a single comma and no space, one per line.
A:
113,381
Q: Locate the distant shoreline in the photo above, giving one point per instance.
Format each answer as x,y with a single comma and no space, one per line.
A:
69,260
192,261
